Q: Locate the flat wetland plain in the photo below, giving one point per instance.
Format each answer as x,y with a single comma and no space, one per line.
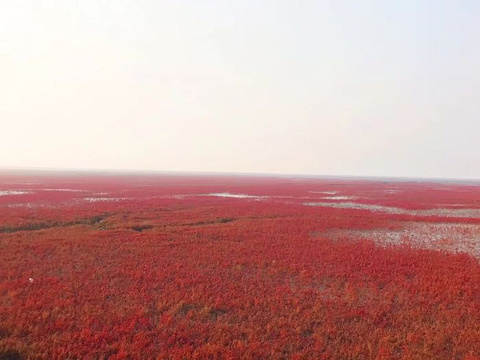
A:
180,266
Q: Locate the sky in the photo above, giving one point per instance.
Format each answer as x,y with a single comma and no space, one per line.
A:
366,88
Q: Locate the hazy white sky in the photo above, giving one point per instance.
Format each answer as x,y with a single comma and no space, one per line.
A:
316,87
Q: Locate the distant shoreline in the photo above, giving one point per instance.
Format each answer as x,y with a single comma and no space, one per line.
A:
129,172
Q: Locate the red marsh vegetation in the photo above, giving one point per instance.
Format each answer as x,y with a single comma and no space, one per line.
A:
192,267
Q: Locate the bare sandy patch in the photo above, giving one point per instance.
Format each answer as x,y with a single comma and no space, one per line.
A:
14,192
63,190
235,196
324,192
445,212
100,199
340,197
463,238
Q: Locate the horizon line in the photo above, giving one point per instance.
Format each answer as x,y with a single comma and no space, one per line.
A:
233,173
